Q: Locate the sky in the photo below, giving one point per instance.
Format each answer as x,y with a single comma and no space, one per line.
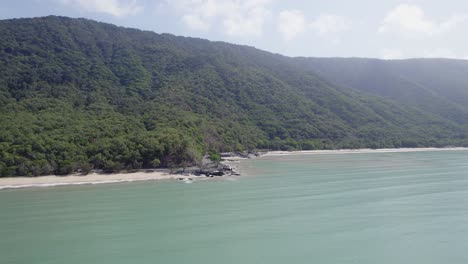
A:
386,29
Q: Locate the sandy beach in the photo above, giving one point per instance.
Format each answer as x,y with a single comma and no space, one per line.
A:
92,178
351,151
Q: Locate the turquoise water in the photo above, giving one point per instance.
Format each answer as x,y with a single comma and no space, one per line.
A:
341,208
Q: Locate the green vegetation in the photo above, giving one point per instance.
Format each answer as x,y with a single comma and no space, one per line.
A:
436,86
216,157
77,95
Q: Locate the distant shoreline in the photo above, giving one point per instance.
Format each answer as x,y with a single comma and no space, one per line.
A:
164,174
360,151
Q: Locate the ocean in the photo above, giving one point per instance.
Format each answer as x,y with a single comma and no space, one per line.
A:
301,208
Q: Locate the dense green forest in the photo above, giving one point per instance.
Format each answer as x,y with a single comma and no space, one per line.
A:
437,86
77,95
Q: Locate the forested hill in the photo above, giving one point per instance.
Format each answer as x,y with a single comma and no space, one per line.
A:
437,86
76,94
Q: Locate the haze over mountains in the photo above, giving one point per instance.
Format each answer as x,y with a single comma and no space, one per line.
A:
76,94
438,86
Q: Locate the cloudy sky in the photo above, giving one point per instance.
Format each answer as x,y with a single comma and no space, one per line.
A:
389,29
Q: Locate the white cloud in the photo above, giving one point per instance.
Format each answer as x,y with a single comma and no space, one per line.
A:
291,23
391,54
410,19
113,7
238,18
250,24
453,23
196,22
439,53
328,23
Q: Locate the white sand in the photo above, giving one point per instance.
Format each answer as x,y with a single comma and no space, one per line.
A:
233,159
92,178
350,151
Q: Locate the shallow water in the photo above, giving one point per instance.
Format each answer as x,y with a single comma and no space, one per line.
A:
334,208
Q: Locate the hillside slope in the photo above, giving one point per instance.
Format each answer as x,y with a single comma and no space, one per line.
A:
76,94
437,86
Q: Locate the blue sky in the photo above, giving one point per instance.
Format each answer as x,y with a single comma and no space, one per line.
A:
389,29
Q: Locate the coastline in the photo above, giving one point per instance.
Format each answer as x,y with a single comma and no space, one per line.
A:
360,151
92,178
226,168
164,174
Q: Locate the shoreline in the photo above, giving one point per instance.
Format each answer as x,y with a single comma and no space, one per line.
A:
360,151
89,179
164,174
